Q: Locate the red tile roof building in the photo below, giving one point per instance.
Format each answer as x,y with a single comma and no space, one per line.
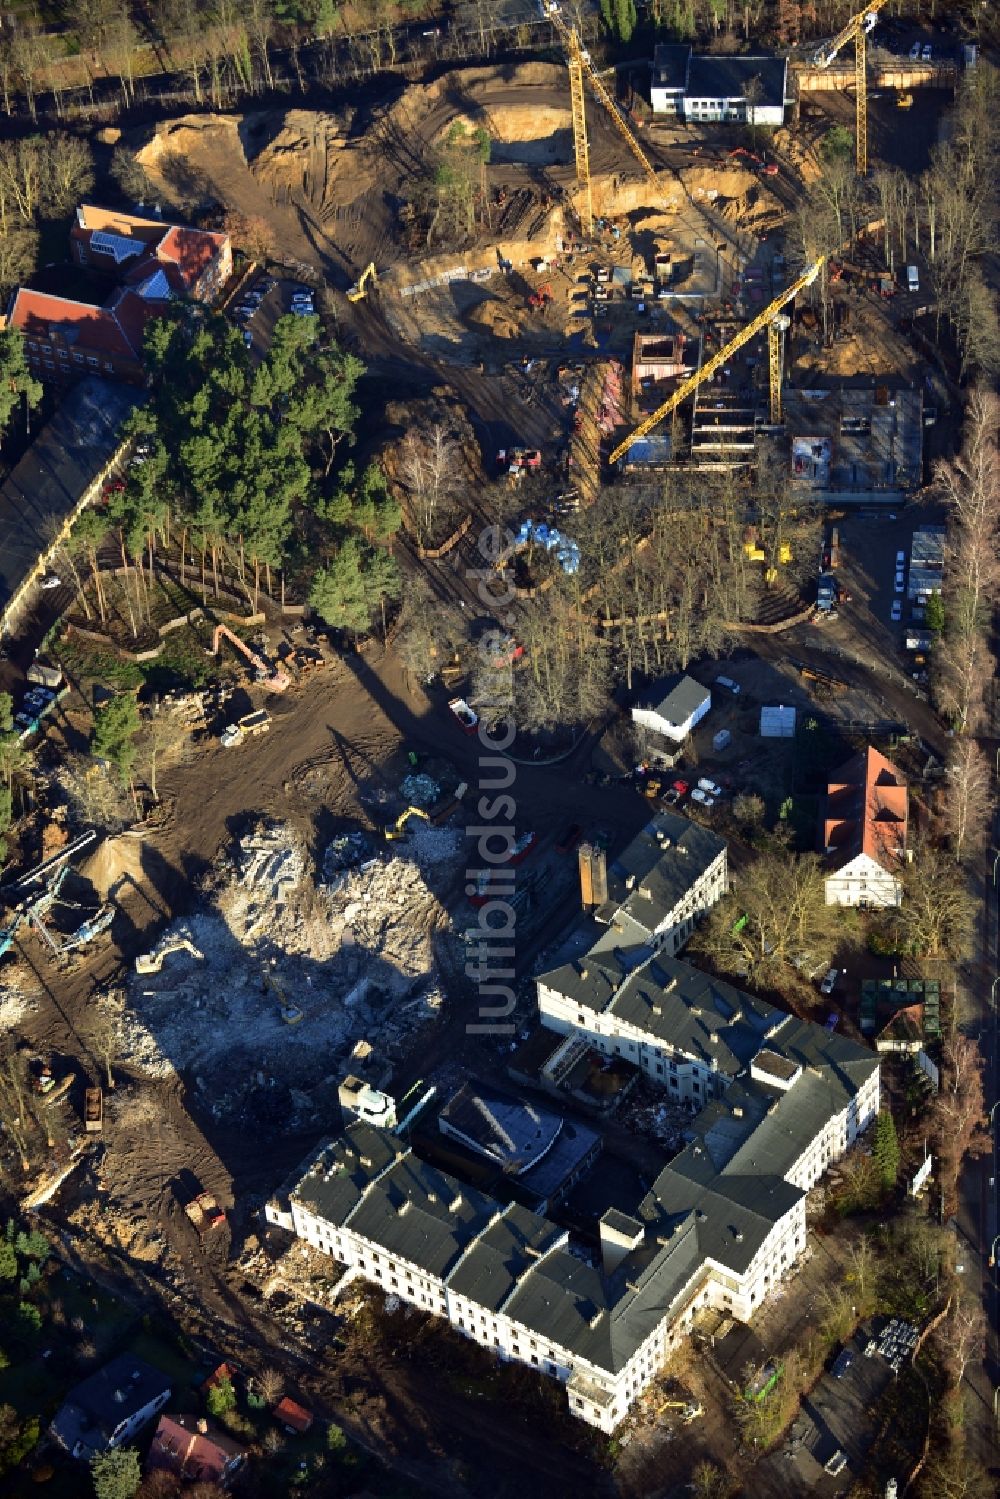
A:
154,264
864,832
196,1452
289,1413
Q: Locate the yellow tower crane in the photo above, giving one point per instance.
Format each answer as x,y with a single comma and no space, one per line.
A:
762,321
581,146
580,66
857,29
775,328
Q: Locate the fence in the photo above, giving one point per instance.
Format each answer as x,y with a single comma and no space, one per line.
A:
431,554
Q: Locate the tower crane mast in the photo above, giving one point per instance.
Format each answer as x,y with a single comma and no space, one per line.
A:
857,28
687,387
580,66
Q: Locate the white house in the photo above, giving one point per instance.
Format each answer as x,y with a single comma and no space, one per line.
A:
736,90
109,1407
864,832
672,708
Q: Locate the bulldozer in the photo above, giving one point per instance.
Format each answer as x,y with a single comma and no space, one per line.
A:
358,292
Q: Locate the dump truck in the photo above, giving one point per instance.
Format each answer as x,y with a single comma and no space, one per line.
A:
246,727
93,1111
204,1212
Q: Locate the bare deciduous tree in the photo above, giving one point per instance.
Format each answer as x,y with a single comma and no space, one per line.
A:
428,465
936,913
959,1113
968,799
271,1384
105,1034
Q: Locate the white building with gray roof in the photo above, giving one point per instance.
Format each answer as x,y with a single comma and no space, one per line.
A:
722,1224
671,873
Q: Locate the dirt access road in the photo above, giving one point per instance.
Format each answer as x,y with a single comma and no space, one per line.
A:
351,722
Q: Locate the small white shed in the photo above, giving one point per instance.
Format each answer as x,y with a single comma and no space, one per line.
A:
777,723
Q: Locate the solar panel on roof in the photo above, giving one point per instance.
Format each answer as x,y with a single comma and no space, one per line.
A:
118,245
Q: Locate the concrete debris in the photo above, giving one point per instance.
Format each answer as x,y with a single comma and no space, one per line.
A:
355,955
345,852
14,1005
420,791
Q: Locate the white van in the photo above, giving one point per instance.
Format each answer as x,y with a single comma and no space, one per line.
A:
912,278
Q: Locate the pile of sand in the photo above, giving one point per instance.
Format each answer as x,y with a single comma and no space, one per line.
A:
270,154
494,318
115,860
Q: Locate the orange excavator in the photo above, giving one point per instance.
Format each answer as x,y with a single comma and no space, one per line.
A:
271,676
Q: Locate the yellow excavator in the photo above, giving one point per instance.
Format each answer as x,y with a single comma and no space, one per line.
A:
357,292
397,829
692,1409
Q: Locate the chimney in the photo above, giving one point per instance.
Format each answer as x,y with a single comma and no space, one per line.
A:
584,864
620,1234
599,875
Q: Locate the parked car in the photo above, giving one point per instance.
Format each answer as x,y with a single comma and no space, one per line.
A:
900,581
915,52
841,1364
829,981
900,560
712,787
927,52
703,798
896,612
677,791
728,685
51,580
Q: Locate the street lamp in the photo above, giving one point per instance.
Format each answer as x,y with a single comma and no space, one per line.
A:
996,861
993,1250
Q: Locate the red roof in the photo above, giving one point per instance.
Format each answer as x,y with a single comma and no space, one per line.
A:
38,314
866,810
186,1445
191,250
293,1415
223,1371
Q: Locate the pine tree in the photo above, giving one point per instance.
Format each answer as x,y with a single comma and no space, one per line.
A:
885,1149
934,614
116,1474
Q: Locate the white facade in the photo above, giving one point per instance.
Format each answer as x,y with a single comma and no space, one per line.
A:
687,1079
654,721
733,110
674,928
863,882
595,1395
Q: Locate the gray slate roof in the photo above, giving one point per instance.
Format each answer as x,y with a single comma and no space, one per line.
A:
726,78
92,1411
670,65
508,1249
705,1017
64,459
675,698
663,860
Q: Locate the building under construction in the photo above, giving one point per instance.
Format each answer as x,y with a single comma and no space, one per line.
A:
855,445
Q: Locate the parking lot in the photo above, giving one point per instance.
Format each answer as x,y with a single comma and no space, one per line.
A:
261,303
834,1417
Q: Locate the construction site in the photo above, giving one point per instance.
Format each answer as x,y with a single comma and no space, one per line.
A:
608,297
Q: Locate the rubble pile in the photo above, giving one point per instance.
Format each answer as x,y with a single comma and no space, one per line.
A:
14,1003
295,971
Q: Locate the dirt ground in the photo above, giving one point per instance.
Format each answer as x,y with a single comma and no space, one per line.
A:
213,1087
